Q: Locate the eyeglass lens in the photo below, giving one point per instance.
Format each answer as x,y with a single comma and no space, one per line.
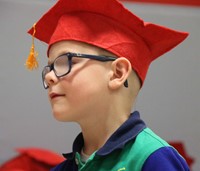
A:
60,67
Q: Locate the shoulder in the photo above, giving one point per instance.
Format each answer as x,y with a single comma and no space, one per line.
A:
147,142
156,154
165,159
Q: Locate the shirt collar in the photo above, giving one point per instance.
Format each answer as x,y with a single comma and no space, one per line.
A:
125,133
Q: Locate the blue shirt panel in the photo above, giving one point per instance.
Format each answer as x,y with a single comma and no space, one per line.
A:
165,159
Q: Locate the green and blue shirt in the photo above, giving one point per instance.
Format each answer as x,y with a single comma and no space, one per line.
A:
132,147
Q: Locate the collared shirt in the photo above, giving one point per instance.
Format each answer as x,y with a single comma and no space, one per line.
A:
132,147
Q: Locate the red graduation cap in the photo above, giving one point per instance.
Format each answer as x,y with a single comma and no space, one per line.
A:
31,159
108,25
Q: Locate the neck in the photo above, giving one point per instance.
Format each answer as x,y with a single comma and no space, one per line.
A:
97,131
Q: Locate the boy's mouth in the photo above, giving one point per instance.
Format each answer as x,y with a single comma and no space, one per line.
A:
55,95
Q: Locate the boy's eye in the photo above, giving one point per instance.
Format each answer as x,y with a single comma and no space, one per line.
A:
75,60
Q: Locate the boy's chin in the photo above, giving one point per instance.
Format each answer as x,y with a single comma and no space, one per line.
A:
63,117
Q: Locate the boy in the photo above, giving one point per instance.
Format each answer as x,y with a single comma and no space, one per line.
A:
98,57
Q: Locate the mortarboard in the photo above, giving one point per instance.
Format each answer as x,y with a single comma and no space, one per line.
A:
109,25
30,159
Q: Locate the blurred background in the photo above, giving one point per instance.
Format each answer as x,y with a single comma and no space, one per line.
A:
169,102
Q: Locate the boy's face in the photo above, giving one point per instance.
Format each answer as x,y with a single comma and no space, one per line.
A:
84,90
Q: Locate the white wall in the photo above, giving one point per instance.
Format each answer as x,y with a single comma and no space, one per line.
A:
169,100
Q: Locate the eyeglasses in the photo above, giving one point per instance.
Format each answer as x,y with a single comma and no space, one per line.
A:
62,65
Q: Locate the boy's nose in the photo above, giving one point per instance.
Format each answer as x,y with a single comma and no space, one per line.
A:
51,78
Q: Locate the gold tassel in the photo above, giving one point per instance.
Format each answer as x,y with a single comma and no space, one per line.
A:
31,62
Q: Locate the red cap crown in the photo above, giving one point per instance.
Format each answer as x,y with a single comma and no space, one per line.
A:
107,24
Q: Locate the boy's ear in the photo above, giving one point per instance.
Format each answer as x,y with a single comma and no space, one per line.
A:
121,69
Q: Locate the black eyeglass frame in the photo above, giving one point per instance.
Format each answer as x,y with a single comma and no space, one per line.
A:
70,56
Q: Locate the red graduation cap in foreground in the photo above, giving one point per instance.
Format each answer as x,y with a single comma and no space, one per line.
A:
32,159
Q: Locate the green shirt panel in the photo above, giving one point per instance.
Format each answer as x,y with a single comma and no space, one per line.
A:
130,158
